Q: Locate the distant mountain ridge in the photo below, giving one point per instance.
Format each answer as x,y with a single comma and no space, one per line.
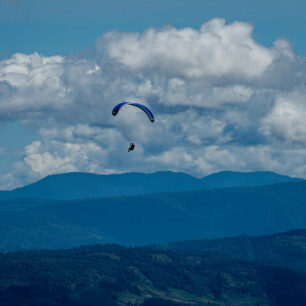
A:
152,218
78,185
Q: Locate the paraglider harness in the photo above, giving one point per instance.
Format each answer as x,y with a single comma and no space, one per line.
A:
132,146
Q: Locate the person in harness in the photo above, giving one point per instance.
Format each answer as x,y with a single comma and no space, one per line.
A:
132,147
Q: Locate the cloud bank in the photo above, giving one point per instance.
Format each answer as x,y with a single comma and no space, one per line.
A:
221,100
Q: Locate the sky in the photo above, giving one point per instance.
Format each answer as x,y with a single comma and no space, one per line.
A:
226,81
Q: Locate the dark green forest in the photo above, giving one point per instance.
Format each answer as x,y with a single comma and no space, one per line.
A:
286,249
116,275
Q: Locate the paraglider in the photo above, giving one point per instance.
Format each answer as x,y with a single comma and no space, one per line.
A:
145,109
142,107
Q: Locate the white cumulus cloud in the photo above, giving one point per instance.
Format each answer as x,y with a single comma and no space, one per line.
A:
216,50
221,100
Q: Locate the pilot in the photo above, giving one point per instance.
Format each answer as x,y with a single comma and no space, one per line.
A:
132,147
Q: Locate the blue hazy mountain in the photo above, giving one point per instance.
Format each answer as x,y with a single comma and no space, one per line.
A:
153,218
244,179
77,185
87,185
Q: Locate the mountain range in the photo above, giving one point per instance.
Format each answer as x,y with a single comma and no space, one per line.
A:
152,218
76,185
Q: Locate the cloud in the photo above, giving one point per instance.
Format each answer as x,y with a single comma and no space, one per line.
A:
215,51
221,100
286,121
31,85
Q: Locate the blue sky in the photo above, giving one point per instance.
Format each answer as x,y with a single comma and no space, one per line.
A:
59,27
225,79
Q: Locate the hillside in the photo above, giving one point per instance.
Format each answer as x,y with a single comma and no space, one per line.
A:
114,275
87,185
244,179
286,249
76,185
156,218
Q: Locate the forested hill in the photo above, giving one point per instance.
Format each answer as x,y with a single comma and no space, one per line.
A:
153,218
286,249
87,185
114,275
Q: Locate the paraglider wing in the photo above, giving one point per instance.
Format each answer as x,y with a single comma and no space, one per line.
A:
142,107
117,108
145,109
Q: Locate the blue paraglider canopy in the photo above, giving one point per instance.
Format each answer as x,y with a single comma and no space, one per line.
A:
142,107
